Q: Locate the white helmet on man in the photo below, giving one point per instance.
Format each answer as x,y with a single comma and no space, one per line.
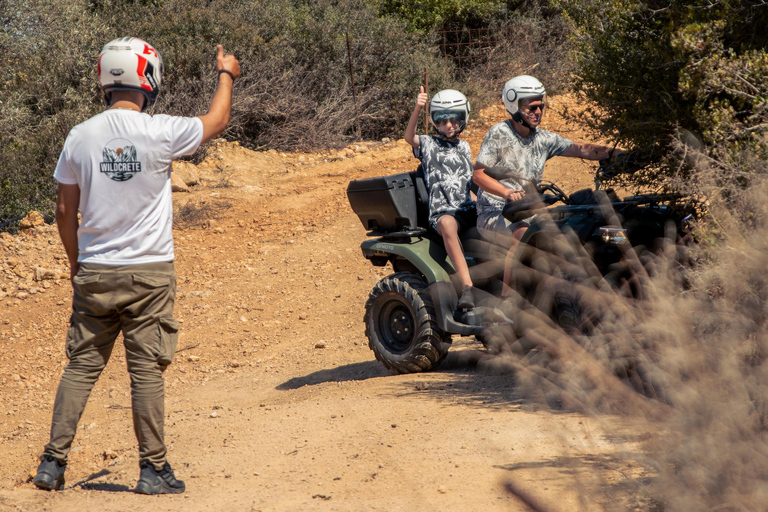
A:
130,64
449,103
521,87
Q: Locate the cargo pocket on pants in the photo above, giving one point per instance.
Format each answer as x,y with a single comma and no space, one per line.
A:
169,337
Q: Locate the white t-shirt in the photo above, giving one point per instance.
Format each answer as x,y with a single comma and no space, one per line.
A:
504,147
121,160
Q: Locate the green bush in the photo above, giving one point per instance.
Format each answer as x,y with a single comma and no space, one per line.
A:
429,15
295,91
660,69
46,86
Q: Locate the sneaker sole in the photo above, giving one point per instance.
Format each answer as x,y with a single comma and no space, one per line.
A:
48,486
148,490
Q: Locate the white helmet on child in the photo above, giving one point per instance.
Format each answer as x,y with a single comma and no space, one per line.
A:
130,64
523,87
449,103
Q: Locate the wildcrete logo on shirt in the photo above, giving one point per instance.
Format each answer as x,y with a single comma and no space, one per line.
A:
120,160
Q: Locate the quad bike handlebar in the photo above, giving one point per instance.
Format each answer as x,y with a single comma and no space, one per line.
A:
614,165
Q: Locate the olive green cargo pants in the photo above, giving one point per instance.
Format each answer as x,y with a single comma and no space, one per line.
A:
137,299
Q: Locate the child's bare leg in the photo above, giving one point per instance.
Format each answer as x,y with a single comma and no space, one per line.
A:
517,235
449,230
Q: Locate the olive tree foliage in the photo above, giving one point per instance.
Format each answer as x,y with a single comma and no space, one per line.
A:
676,77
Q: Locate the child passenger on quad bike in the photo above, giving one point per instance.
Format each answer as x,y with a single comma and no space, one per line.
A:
447,164
521,147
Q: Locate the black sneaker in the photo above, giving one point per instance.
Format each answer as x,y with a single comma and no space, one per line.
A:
467,300
50,474
152,481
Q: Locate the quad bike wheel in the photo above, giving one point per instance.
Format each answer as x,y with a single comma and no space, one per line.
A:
578,317
401,326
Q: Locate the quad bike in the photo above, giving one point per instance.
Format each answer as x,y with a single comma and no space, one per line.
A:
576,247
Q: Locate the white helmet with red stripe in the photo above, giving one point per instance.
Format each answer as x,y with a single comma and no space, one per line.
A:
130,64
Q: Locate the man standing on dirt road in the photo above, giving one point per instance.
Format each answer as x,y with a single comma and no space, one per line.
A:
519,145
115,167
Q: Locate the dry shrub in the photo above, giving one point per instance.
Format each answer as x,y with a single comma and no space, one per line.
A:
199,213
691,363
528,44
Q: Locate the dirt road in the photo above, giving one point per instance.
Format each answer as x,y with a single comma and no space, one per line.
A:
275,401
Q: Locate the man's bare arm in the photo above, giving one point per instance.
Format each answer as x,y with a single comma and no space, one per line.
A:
66,221
591,151
494,186
217,118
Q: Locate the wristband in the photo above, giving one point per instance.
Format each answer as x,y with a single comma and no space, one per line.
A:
227,72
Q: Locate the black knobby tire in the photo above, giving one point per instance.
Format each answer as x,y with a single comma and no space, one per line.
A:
401,325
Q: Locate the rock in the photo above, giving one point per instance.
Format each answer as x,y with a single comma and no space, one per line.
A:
22,295
12,262
193,359
386,140
42,274
214,414
320,344
362,148
109,454
188,173
33,219
177,184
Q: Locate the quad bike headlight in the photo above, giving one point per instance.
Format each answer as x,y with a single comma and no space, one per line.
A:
616,236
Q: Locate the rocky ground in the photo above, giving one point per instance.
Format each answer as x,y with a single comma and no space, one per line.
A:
274,401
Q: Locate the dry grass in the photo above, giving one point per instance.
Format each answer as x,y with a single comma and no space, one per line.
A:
696,356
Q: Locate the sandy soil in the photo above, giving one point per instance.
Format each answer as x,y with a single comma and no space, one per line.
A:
275,401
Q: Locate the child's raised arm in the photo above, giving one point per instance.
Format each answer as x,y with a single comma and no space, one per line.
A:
410,131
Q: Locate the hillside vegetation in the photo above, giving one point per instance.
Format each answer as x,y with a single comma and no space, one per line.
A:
664,78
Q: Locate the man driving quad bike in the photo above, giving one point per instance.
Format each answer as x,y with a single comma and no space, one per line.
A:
519,145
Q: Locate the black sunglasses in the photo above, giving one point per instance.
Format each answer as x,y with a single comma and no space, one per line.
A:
533,108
